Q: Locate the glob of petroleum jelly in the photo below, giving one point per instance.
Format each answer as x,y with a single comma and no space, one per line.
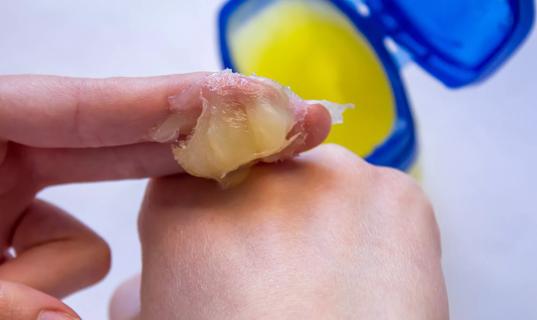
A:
243,120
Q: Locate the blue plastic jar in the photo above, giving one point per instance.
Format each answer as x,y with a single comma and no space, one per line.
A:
459,42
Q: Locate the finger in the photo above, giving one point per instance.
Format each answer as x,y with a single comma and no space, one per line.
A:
55,253
317,125
60,112
20,302
50,111
125,303
57,166
313,129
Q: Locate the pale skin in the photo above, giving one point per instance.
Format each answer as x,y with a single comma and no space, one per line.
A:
324,236
56,130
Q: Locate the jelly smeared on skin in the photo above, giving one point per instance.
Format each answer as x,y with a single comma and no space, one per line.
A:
243,120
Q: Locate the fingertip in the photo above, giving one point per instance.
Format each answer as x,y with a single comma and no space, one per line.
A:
317,124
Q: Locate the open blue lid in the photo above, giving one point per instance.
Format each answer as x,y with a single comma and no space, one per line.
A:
457,41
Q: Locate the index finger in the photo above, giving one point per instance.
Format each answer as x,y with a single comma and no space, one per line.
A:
62,112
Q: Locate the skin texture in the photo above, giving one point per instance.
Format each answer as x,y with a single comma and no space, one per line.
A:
56,130
323,236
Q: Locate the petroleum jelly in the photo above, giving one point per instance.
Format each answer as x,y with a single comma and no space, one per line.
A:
243,120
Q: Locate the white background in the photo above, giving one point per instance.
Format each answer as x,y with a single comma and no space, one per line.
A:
479,145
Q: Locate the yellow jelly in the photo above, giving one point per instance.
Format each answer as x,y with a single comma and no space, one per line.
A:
314,49
243,120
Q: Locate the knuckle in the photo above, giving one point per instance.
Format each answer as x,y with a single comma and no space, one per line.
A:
83,90
341,159
337,151
399,186
409,207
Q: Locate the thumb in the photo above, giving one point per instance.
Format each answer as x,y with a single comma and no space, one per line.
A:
20,302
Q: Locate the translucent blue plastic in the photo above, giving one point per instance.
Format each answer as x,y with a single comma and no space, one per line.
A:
458,41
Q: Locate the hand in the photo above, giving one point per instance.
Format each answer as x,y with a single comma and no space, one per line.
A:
324,236
56,130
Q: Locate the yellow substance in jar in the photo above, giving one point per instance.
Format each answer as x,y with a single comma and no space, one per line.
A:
313,48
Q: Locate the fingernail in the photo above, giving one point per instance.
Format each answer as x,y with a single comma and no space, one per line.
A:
168,131
55,315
